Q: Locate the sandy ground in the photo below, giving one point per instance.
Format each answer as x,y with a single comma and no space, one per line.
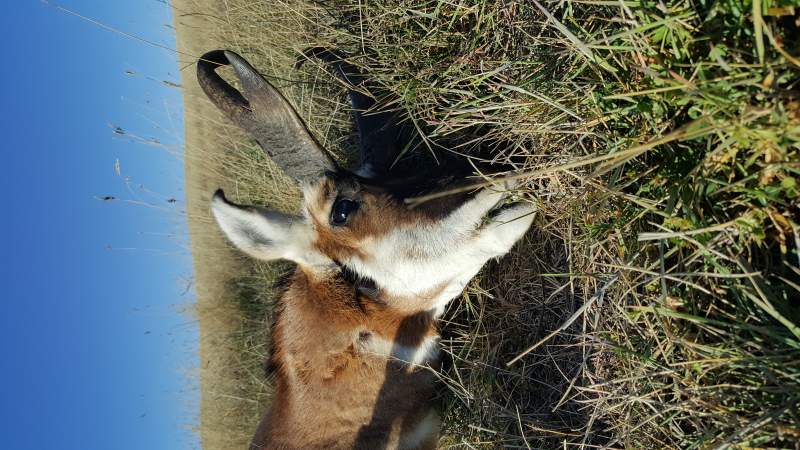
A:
216,311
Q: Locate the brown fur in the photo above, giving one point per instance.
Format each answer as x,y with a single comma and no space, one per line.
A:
330,392
330,395
379,213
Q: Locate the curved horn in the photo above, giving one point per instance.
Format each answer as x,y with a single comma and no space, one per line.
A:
379,133
264,113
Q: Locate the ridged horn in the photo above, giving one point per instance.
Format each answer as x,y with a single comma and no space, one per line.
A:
264,113
379,132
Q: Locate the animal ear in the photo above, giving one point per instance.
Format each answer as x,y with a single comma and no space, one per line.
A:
261,233
263,112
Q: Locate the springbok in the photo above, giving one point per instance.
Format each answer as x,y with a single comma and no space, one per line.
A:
355,339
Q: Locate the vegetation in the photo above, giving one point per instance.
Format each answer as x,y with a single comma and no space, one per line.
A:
657,302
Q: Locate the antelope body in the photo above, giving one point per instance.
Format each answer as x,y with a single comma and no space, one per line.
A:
355,339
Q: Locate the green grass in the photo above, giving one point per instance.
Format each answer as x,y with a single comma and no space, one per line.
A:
661,141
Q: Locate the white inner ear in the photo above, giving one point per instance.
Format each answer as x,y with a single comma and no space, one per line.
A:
267,235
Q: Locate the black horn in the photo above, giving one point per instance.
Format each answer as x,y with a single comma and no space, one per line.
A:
380,135
264,113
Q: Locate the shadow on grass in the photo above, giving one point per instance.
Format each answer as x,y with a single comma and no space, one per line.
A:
536,401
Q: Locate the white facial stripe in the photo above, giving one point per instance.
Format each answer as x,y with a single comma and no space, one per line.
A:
425,352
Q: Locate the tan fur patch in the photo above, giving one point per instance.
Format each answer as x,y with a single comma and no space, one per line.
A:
378,215
330,395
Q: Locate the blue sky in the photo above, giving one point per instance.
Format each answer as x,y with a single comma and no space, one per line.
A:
96,351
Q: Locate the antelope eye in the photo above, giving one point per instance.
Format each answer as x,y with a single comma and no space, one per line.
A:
342,210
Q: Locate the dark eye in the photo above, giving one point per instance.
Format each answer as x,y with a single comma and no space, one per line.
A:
342,210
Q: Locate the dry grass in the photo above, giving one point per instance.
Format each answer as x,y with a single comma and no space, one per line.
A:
662,142
234,294
233,393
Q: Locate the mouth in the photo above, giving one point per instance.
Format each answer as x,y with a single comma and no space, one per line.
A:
506,203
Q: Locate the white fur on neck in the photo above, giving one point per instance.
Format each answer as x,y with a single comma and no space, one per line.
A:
426,352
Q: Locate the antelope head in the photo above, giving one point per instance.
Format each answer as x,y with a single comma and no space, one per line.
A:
356,219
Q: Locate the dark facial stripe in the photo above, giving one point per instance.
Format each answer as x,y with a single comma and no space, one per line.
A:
361,284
